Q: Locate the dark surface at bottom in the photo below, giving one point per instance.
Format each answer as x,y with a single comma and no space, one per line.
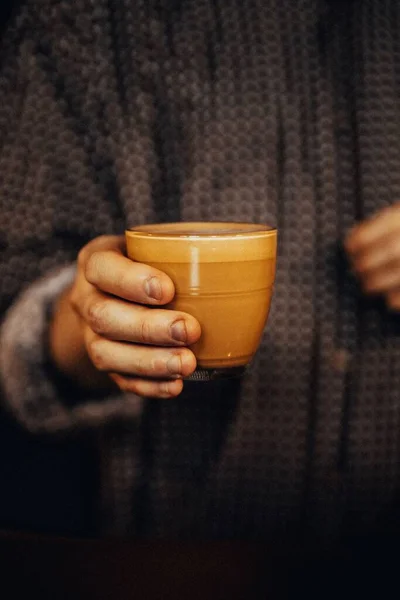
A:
62,568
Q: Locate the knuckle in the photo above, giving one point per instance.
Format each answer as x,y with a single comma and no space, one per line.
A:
124,281
96,353
97,317
169,389
158,366
145,332
102,240
125,384
92,266
82,257
136,386
151,366
165,389
141,366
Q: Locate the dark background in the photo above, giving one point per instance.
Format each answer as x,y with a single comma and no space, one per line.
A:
6,9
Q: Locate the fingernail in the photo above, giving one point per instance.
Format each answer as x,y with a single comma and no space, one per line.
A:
174,366
152,288
178,331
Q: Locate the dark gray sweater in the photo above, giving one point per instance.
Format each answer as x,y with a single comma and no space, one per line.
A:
117,113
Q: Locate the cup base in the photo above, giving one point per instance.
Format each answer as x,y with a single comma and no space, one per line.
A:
214,374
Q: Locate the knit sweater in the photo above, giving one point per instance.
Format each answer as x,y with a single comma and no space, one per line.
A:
120,113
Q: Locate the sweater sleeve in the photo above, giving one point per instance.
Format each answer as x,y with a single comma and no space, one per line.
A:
40,398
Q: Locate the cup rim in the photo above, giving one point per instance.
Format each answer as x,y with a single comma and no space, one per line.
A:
244,229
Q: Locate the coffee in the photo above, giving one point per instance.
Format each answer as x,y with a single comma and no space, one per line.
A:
223,275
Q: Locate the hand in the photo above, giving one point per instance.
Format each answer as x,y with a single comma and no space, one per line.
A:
373,247
120,327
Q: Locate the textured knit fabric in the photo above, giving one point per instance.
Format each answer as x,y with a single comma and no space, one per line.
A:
119,113
29,373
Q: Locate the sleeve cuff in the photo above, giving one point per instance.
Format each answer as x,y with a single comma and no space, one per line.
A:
39,397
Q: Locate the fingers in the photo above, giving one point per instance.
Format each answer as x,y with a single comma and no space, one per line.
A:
147,388
374,251
103,242
116,319
142,348
378,266
382,281
115,274
373,231
139,361
384,253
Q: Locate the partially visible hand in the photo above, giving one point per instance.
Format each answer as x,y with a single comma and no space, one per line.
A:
121,326
373,247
